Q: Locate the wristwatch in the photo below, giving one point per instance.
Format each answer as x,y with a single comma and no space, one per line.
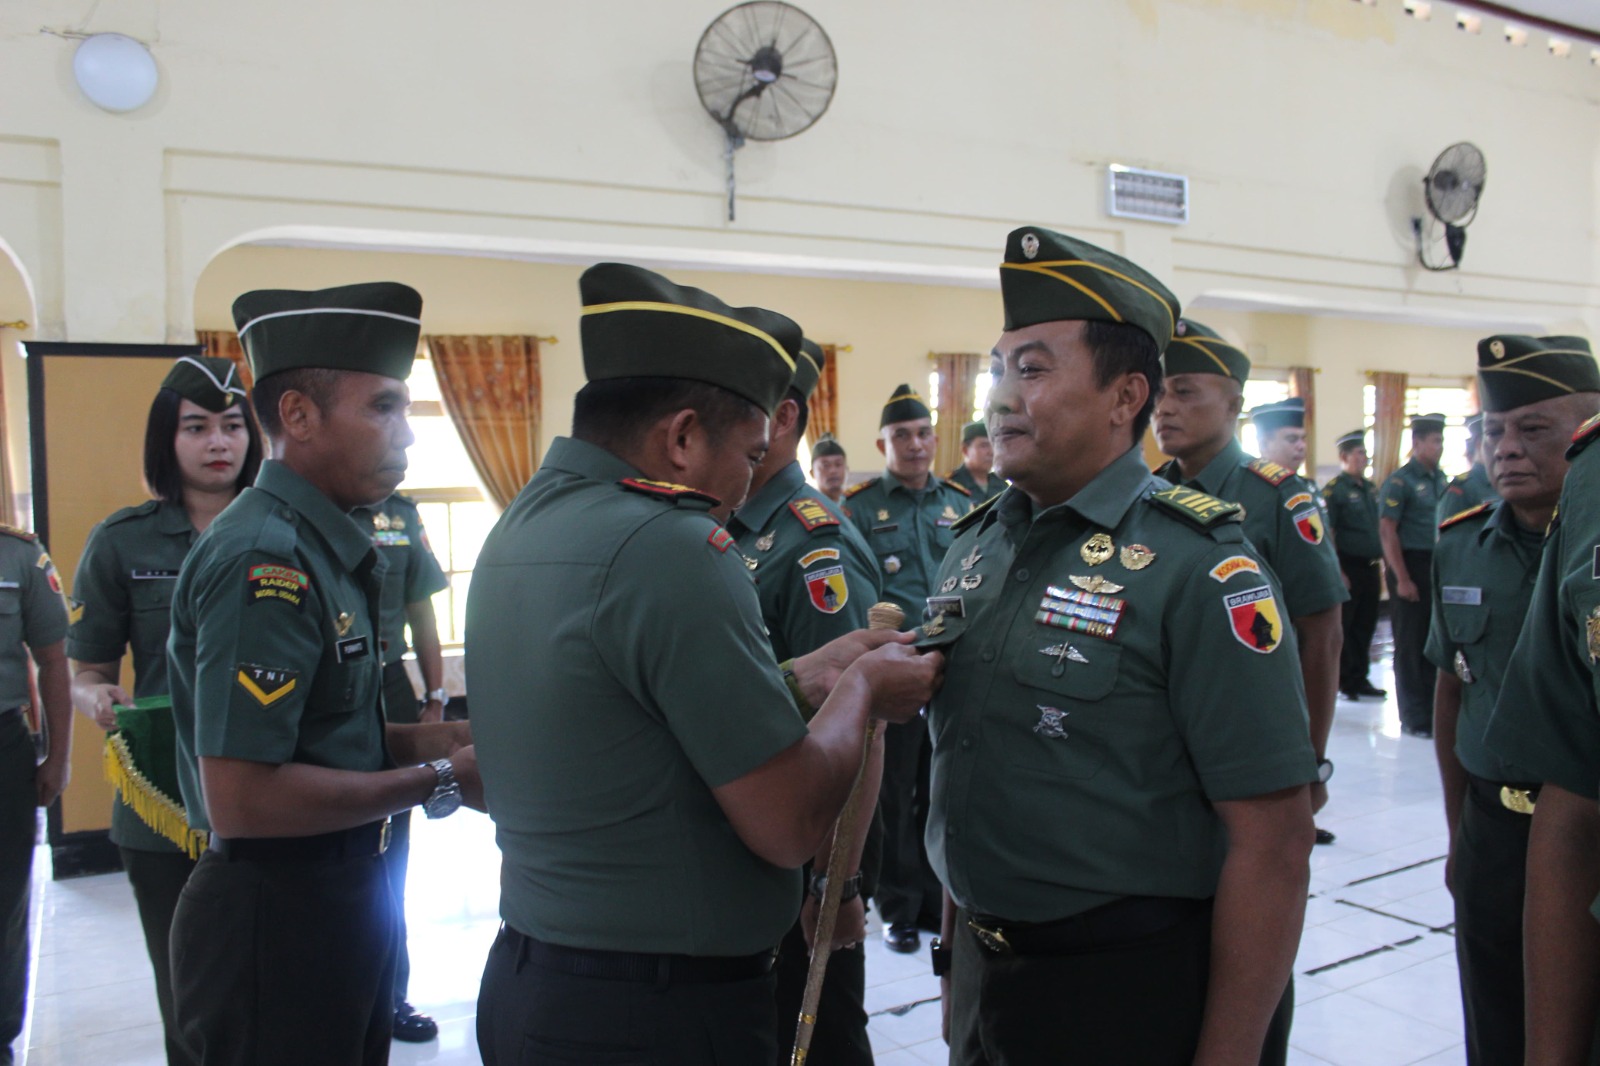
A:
440,694
1324,770
446,796
849,890
941,957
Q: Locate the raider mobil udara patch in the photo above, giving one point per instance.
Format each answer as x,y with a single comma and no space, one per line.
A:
271,581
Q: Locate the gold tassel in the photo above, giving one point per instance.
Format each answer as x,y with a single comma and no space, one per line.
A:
154,807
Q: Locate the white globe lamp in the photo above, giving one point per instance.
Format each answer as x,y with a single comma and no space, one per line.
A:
116,73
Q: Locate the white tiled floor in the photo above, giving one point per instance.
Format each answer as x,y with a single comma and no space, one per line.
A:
1375,979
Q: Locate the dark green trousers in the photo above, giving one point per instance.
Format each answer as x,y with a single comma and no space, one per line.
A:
1490,881
158,878
19,827
1414,675
840,1036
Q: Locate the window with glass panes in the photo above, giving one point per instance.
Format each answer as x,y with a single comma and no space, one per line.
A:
1266,385
1451,397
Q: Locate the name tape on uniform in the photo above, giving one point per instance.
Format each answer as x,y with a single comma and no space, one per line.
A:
1461,594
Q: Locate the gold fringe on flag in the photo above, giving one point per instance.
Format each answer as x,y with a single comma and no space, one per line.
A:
155,808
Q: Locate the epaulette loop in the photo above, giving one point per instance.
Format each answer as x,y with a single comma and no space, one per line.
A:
666,490
1269,471
860,486
1462,516
1203,510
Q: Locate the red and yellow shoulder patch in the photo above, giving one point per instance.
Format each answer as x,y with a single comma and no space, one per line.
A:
812,515
720,539
959,487
666,490
861,485
1269,471
1462,516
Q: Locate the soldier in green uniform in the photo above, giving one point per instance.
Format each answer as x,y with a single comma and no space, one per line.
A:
1281,432
1351,500
1468,490
816,578
1126,839
33,626
1407,529
830,468
410,578
1483,575
1547,722
653,786
201,450
976,472
283,940
906,515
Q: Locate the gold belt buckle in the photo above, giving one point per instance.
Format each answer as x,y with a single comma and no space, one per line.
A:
993,939
383,837
1516,799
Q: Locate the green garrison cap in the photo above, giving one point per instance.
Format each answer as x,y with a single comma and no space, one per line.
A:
826,445
1433,423
1199,349
973,430
1274,416
210,382
372,327
1474,424
808,368
1050,277
903,406
636,323
1515,371
1356,438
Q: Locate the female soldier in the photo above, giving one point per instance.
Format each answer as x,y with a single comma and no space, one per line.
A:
201,448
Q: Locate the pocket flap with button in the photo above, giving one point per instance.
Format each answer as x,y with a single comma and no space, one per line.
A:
10,601
890,541
1465,624
1074,665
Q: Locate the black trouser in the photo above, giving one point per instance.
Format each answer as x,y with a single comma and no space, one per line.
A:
1360,617
1491,855
158,878
399,705
840,1035
533,1013
19,830
907,887
1414,675
285,961
1106,997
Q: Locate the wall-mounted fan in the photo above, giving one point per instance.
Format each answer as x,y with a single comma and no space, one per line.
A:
765,71
1452,190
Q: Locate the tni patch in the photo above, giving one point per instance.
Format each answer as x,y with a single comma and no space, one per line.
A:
266,684
270,582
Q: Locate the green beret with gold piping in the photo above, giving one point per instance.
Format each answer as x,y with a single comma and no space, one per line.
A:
211,382
372,327
1050,277
808,368
637,323
1198,349
903,406
1514,371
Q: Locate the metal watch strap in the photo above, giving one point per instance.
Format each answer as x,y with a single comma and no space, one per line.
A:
447,777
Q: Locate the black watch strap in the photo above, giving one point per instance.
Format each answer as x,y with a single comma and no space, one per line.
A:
847,891
941,957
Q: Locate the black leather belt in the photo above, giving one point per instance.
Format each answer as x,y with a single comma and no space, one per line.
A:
1516,798
1112,923
362,842
641,968
10,712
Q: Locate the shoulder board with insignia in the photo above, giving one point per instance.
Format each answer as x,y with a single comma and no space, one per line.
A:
1462,516
20,534
1584,436
147,507
1203,510
1269,471
959,487
812,515
973,516
666,490
860,485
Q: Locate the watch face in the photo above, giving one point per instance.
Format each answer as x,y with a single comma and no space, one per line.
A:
1324,770
443,803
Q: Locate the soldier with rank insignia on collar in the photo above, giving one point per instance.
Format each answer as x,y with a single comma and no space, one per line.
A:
654,783
906,515
1351,501
976,472
830,468
1408,527
816,578
1281,432
1536,391
1124,839
1466,491
283,938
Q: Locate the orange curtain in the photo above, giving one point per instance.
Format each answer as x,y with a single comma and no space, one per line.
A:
491,389
958,378
223,344
824,403
1303,383
1389,422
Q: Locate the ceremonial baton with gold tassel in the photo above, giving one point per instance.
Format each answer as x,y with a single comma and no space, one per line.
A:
879,616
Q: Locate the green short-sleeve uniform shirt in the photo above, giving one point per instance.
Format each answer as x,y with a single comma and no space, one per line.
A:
1410,497
908,532
411,573
1548,719
32,612
619,673
274,651
978,493
1116,665
122,600
1282,520
1465,491
814,574
1352,506
1483,574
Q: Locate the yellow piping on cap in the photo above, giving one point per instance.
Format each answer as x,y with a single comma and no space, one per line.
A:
1157,297
1527,373
1196,342
908,396
693,312
1039,268
1542,351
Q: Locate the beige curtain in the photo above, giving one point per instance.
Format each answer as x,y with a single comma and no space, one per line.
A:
958,377
223,344
1389,423
1303,383
491,390
824,403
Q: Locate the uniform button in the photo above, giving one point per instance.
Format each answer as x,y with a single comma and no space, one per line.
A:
1022,575
988,655
966,742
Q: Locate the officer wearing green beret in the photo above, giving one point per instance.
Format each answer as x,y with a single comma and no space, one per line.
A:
1351,500
1126,840
906,515
283,940
816,578
830,468
201,450
33,625
653,786
1535,393
1281,432
976,472
1466,491
410,578
1408,528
